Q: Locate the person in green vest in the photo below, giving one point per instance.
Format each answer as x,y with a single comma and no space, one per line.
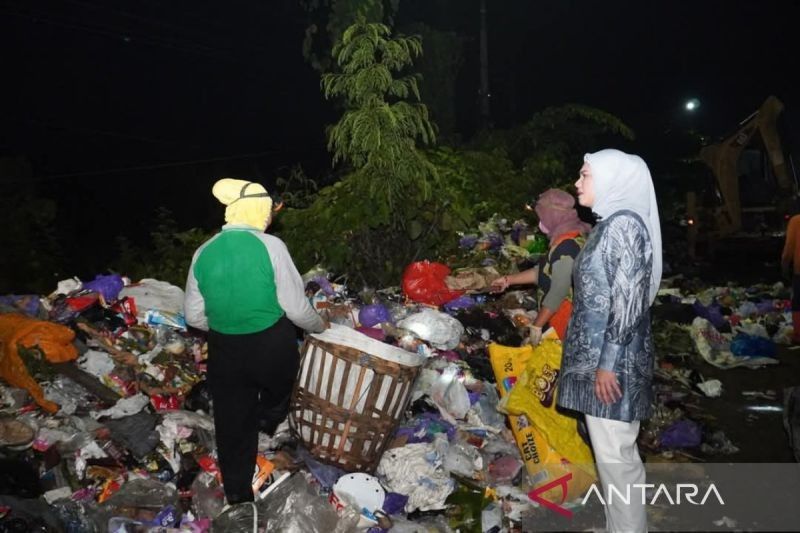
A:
245,291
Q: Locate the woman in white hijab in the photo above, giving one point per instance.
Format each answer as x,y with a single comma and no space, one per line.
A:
607,367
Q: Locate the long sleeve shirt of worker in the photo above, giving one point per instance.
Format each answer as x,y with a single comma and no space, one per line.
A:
610,324
243,281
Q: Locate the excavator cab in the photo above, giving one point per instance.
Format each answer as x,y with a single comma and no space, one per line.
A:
753,185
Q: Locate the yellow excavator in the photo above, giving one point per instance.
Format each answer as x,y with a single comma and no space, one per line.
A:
754,186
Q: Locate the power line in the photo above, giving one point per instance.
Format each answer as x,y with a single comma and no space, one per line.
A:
140,167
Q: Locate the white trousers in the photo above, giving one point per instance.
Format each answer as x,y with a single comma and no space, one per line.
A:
619,464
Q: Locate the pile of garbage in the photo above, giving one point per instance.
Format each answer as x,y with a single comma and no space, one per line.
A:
106,421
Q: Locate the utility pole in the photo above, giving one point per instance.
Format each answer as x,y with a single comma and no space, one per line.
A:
484,93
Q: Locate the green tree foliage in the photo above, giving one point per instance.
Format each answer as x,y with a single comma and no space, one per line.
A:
328,20
378,133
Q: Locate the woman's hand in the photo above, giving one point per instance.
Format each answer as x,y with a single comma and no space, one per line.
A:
606,386
499,285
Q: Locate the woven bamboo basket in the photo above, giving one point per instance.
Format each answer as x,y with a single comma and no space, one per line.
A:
347,403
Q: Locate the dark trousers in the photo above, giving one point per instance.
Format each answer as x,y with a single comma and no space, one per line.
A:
796,292
250,378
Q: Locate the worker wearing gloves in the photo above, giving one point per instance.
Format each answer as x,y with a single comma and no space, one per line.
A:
244,289
558,219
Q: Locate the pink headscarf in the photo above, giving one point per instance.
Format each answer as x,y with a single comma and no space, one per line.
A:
556,211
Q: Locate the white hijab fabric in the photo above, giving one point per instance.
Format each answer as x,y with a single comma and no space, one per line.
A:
622,181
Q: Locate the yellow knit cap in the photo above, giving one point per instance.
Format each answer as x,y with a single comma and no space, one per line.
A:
248,202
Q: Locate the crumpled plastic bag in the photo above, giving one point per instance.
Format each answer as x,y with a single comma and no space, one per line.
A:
108,286
715,348
450,395
424,282
681,434
441,330
54,340
152,294
752,346
373,314
416,471
293,507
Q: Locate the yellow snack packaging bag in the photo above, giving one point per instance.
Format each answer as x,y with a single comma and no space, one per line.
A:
544,463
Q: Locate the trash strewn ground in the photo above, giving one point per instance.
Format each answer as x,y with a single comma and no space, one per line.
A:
106,423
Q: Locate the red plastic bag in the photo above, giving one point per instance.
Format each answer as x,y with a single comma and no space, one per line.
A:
423,282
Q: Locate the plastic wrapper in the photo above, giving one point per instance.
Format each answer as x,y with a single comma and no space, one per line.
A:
441,330
424,282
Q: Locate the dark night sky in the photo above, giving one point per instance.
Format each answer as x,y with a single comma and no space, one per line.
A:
92,85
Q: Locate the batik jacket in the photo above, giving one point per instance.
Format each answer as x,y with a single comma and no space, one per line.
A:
610,324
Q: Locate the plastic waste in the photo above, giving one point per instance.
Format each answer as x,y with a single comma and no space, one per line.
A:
424,282
711,388
156,295
462,302
326,475
715,348
681,434
752,346
373,314
108,286
460,458
450,395
208,497
293,507
416,471
441,330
